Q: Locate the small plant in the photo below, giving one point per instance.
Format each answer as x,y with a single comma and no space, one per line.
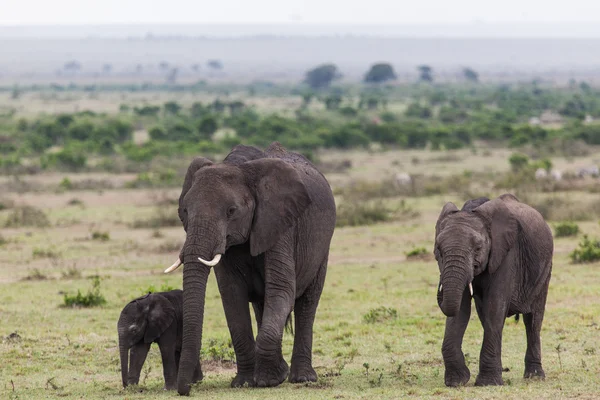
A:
93,298
101,236
165,287
380,314
76,202
3,241
588,251
218,350
518,161
564,229
419,253
39,252
66,184
71,273
35,275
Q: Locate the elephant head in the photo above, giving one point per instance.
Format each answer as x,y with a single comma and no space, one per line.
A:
142,320
468,243
223,205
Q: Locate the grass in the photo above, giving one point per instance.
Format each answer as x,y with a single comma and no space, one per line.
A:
72,353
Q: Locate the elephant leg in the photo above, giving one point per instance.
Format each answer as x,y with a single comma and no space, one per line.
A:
456,371
166,345
533,326
234,295
490,358
258,313
138,355
479,308
304,315
280,289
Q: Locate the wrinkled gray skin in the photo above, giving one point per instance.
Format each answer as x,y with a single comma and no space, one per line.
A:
271,215
153,318
504,248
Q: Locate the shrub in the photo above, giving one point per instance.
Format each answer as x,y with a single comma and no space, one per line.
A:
35,275
218,350
418,253
162,218
71,273
26,216
165,287
101,236
518,161
5,204
357,213
564,229
39,252
93,298
380,314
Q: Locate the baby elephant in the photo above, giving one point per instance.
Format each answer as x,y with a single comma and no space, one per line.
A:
498,252
155,317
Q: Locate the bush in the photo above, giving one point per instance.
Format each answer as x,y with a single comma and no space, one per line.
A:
101,236
162,217
565,229
93,298
418,253
518,161
380,314
218,350
357,213
165,287
26,216
588,251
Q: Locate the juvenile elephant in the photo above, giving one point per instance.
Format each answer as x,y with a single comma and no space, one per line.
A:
153,318
500,253
264,221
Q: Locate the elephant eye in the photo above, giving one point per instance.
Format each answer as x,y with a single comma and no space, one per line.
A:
231,210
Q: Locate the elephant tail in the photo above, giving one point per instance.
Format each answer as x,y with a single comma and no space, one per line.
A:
289,326
517,317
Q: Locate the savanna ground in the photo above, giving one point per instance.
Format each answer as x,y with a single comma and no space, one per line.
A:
378,330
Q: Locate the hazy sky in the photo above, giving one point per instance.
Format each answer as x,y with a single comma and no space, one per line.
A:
27,12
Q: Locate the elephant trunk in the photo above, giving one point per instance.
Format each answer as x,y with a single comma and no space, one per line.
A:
195,276
454,280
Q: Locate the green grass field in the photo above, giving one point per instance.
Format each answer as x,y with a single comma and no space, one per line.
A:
72,353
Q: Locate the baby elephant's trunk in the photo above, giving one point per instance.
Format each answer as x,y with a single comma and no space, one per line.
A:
124,354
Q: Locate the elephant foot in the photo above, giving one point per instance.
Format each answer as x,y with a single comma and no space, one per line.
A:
489,380
241,380
170,387
302,374
266,376
455,377
534,372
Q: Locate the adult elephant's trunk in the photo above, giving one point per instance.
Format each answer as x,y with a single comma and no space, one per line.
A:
124,354
455,277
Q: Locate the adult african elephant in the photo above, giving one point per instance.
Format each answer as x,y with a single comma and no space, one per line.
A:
264,221
500,253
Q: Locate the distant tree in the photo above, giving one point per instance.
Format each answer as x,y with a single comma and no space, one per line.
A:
106,69
208,126
322,76
470,75
416,110
172,76
235,107
139,68
172,107
195,67
381,72
215,64
72,66
333,101
163,65
425,73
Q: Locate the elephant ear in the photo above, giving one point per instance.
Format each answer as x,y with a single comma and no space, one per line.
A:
503,230
195,165
160,315
280,197
449,208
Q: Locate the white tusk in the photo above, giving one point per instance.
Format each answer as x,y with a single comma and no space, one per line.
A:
173,267
471,288
212,262
440,287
